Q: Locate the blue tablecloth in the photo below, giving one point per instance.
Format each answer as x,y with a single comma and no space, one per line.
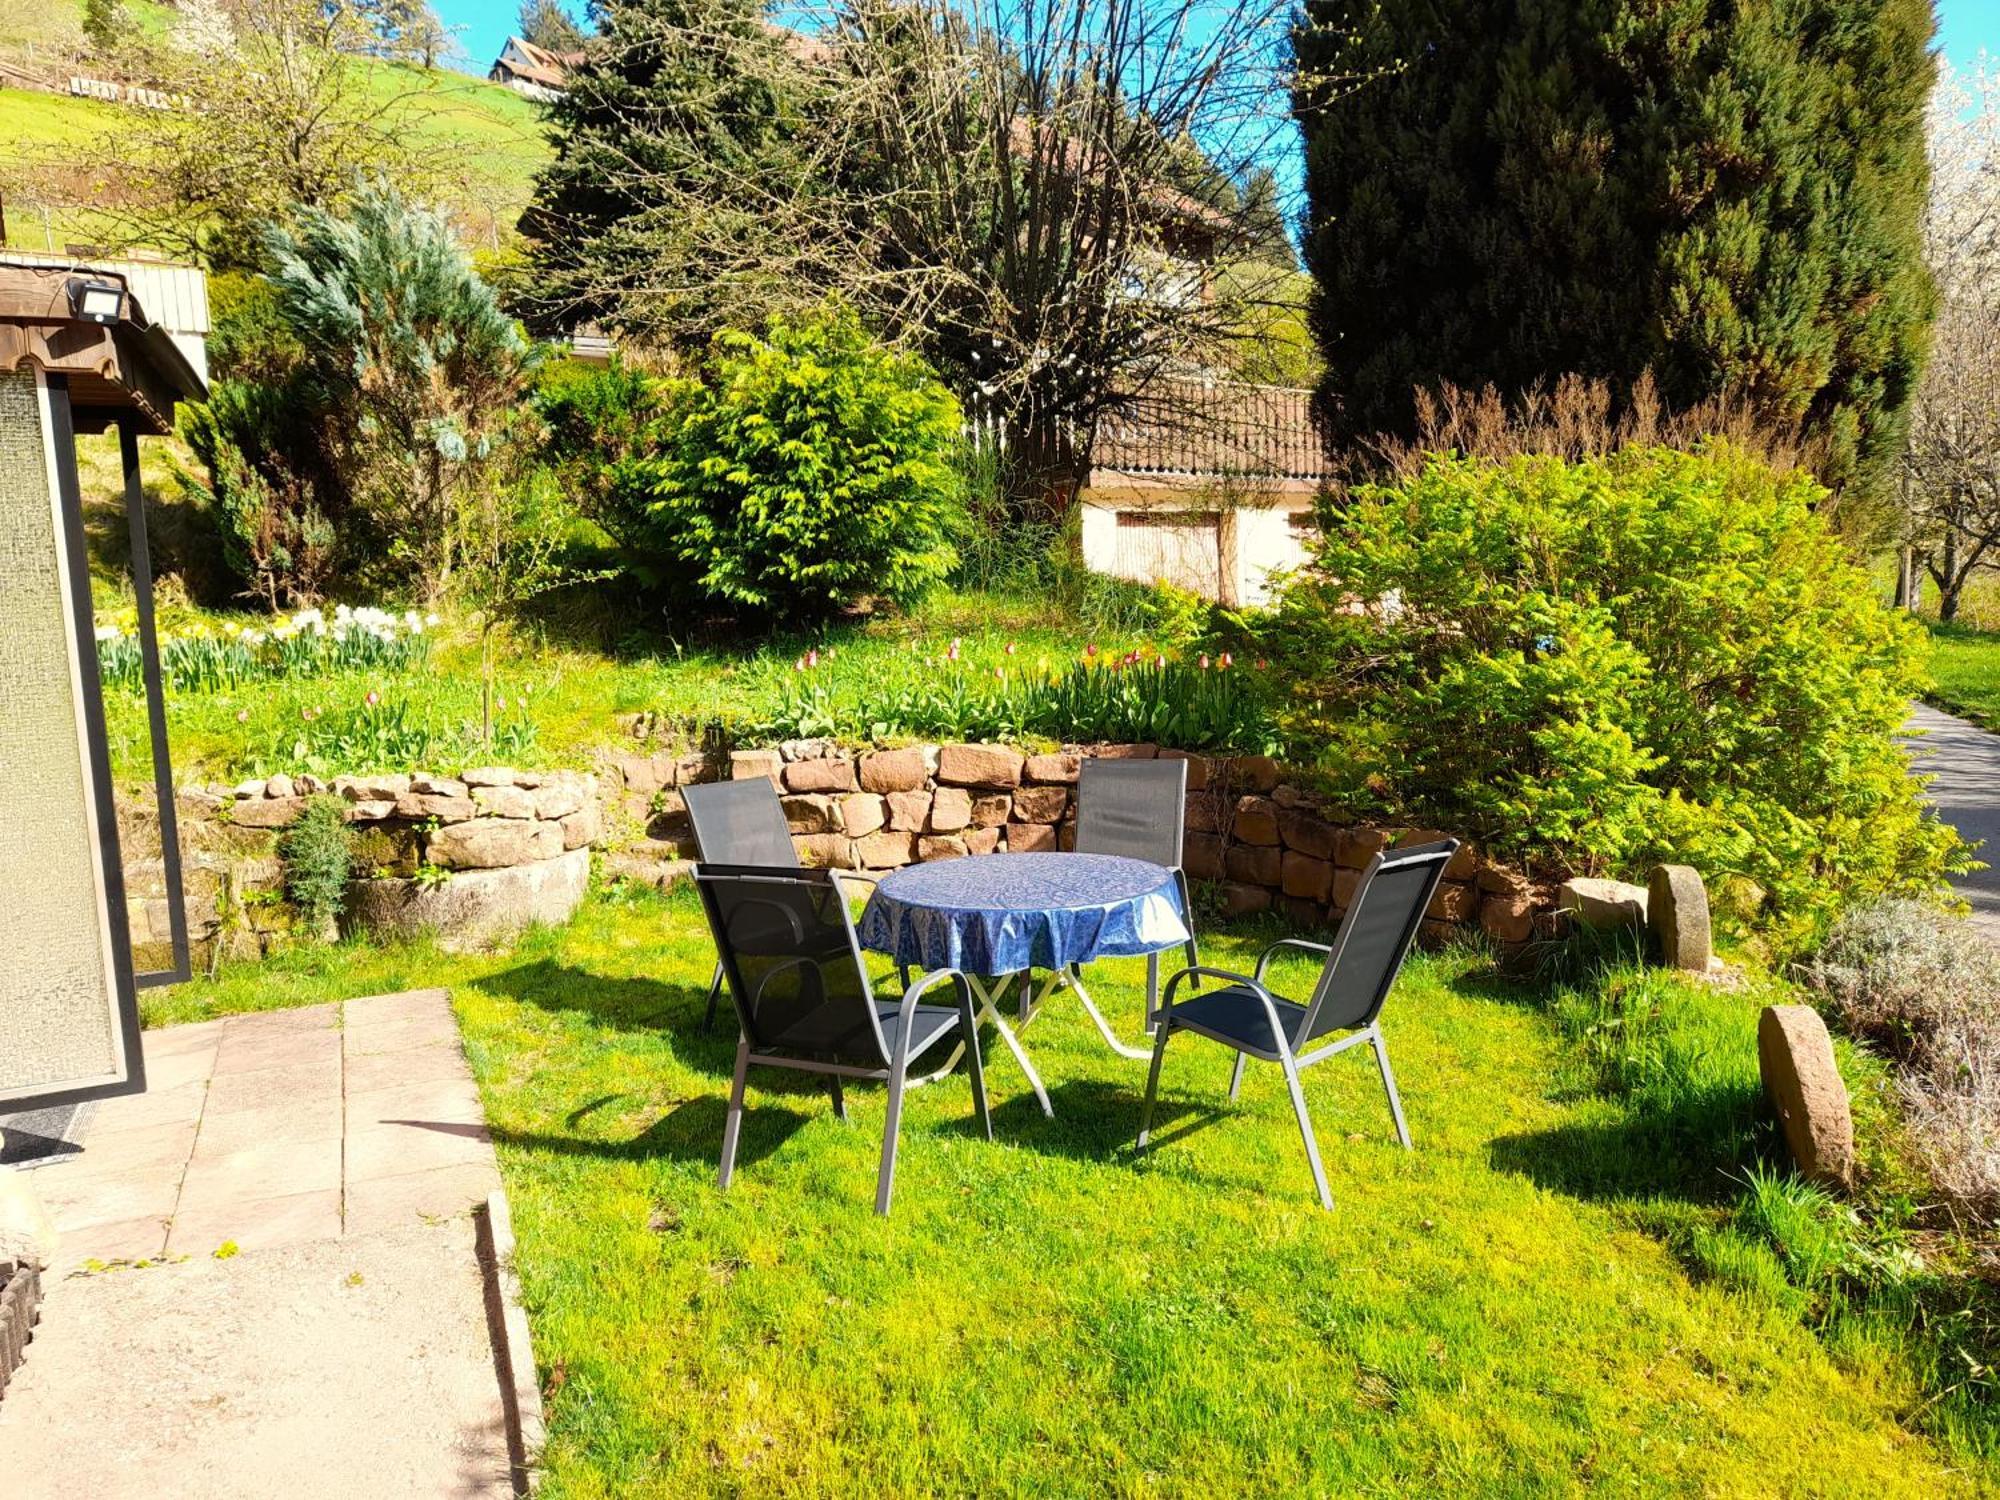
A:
1001,913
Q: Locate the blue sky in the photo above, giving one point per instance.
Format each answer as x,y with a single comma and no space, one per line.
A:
1964,27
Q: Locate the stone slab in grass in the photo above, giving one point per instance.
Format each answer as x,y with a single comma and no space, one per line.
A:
1677,911
1604,904
1795,1056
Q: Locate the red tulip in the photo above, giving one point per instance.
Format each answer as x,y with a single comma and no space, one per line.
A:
373,698
1204,661
1091,649
1227,661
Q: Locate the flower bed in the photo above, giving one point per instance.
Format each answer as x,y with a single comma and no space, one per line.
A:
304,644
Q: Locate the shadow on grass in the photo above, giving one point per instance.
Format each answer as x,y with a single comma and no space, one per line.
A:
1685,1153
691,1132
629,1004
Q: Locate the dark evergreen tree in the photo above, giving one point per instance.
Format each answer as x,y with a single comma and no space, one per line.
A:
1728,196
677,103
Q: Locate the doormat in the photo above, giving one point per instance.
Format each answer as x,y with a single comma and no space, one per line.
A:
37,1137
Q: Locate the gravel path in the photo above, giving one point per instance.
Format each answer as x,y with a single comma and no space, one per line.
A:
1964,762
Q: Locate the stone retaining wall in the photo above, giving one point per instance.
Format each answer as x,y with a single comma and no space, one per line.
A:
471,856
1265,842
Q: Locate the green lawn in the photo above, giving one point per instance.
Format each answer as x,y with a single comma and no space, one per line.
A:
1966,664
1516,1307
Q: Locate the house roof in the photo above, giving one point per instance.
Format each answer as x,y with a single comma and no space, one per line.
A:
539,65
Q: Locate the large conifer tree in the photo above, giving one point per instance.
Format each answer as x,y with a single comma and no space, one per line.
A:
1726,194
676,103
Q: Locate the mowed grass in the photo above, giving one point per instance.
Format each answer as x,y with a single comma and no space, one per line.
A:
1050,1314
1966,665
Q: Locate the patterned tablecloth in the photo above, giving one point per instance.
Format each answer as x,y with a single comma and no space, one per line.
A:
1002,913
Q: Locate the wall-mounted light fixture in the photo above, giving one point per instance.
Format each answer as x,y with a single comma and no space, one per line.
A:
96,300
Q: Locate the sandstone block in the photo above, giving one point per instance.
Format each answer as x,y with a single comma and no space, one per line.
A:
941,846
1126,752
488,776
811,814
862,813
1464,863
981,840
893,771
1356,846
979,765
1254,864
1201,856
1207,812
1498,880
1677,911
1507,919
1346,881
415,804
281,786
1253,773
371,788
1256,821
885,850
1795,1056
559,796
1305,877
1454,901
827,774
474,907
1197,771
267,812
1030,838
1306,832
438,786
951,810
909,811
824,851
1052,769
503,801
991,810
370,812
494,843
747,765
1040,804
582,827
1603,904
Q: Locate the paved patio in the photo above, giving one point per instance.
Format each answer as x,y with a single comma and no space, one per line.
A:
345,1348
277,1129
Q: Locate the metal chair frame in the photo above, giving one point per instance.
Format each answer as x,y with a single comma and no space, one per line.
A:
1303,1030
896,1062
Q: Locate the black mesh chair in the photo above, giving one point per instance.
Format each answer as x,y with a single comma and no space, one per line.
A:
794,968
738,823
1361,965
1138,809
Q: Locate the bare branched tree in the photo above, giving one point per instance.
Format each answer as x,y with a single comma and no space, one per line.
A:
1949,482
1042,198
270,104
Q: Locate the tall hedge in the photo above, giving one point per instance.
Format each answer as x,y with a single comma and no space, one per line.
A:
1728,196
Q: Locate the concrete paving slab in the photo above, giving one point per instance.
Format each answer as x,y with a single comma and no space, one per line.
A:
342,1368
342,1348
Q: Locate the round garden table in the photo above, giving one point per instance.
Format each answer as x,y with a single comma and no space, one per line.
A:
999,917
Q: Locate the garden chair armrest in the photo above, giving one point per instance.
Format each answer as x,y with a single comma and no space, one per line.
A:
1264,958
1167,995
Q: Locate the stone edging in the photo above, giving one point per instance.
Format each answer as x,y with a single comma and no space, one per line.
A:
513,1350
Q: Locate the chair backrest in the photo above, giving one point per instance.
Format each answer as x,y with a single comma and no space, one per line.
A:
1375,937
1137,808
792,961
740,823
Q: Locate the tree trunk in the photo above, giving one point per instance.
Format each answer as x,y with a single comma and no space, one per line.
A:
1949,578
1906,579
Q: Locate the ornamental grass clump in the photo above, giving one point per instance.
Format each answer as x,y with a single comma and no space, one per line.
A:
1602,663
1925,986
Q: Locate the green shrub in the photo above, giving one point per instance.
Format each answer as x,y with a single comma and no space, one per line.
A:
318,856
1647,655
604,426
809,470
